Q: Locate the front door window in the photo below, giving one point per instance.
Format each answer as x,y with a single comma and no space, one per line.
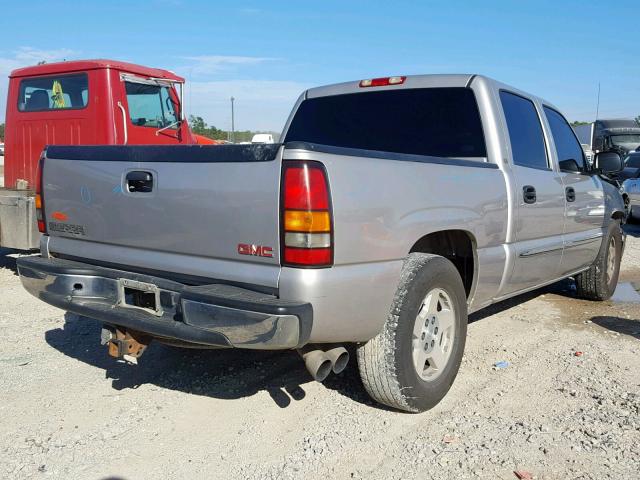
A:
150,106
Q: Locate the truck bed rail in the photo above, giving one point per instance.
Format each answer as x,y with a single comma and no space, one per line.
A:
169,153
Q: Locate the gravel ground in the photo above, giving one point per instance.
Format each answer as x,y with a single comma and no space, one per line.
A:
67,410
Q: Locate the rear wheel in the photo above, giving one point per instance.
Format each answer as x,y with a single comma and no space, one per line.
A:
600,281
413,362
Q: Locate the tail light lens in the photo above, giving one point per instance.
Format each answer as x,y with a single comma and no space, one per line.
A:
307,235
42,225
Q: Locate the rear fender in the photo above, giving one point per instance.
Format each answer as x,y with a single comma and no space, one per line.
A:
489,253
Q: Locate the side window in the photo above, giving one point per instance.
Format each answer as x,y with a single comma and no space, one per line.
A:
525,131
570,154
632,161
170,112
150,105
62,92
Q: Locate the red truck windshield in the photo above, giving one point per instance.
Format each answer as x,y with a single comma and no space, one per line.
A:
439,122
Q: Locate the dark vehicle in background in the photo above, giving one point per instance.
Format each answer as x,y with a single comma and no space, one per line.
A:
631,167
620,135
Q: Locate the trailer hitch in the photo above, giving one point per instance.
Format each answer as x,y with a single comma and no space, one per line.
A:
126,344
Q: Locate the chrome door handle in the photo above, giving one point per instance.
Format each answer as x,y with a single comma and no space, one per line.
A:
529,194
571,194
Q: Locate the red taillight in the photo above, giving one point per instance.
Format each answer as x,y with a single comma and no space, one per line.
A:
305,189
307,237
382,82
314,257
42,224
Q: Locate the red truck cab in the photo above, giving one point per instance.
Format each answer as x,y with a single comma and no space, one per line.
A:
88,102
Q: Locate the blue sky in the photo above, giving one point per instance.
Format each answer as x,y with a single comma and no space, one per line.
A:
266,53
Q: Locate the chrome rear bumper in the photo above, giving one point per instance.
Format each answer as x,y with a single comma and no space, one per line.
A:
212,315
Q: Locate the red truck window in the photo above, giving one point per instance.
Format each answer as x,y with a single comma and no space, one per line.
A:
150,105
60,92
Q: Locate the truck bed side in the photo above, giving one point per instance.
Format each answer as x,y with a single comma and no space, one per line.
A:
383,205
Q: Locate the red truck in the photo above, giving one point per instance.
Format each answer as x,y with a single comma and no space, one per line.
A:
89,102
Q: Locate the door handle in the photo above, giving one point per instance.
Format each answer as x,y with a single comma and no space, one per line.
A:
124,123
140,182
571,194
529,194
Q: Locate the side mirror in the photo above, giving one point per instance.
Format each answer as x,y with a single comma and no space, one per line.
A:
608,162
569,165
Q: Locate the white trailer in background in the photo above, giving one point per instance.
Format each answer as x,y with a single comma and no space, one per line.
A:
263,138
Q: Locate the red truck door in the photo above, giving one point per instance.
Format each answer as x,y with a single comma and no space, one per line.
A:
150,110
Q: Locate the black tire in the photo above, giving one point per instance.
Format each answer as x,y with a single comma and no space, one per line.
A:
597,283
386,362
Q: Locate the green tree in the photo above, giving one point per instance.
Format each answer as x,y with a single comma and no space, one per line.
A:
200,127
637,119
578,122
1,132
197,124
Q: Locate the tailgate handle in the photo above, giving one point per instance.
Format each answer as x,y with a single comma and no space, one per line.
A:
138,181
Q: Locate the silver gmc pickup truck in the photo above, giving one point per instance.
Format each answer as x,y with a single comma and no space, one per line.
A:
392,208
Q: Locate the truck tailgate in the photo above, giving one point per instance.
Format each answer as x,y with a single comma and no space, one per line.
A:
184,209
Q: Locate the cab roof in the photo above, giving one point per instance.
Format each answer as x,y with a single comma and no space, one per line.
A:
420,81
410,81
83,65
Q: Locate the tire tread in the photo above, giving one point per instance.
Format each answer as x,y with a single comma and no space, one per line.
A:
591,284
376,358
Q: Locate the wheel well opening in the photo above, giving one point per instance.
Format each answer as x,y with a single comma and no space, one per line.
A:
455,245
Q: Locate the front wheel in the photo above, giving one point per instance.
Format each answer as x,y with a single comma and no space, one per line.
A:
413,362
600,280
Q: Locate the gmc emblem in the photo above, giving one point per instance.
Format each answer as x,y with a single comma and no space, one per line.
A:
255,250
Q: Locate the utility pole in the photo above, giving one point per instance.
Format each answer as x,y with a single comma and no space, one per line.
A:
233,127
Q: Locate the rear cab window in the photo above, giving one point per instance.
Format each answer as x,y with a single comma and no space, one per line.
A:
61,92
437,122
528,147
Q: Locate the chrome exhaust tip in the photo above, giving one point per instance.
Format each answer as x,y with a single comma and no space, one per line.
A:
339,358
317,363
